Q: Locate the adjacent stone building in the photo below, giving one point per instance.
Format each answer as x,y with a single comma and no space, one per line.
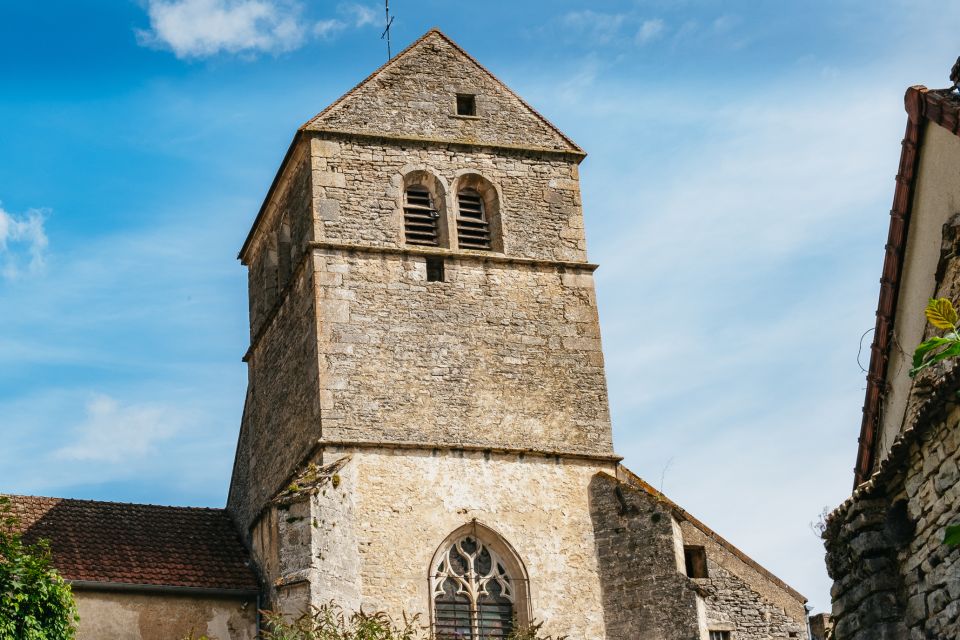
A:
426,427
894,577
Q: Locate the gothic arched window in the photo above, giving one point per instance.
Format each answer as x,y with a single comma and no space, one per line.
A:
478,590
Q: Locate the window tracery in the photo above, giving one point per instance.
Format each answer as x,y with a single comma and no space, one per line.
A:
474,595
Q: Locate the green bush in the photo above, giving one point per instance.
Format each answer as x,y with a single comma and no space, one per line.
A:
35,602
329,622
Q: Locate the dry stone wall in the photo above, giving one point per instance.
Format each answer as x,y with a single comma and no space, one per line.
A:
893,575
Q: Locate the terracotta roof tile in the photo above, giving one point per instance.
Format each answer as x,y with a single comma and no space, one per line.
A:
140,544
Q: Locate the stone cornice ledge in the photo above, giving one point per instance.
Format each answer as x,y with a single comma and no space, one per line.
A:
517,451
475,256
366,136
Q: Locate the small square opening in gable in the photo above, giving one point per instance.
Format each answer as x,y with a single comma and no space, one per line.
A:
466,104
696,561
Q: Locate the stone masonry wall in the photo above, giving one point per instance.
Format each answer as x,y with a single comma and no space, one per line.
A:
415,96
291,202
358,193
500,356
645,594
738,597
387,539
893,575
732,604
281,419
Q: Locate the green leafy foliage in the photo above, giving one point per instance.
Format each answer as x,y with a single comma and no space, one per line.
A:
329,622
952,535
942,315
35,602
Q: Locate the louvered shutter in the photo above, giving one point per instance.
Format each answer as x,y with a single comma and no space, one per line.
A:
420,217
473,228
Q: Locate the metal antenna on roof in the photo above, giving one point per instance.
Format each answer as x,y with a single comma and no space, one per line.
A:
386,31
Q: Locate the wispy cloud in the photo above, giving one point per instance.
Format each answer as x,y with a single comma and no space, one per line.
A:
650,30
202,28
599,28
198,28
23,243
115,433
360,15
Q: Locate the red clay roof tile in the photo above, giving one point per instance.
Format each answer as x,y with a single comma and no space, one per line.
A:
140,544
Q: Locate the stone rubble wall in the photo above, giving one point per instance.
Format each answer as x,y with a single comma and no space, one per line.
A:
738,594
732,603
893,575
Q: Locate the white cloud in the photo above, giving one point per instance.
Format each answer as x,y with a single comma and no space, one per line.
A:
328,28
360,15
598,28
649,30
201,28
198,28
23,243
115,433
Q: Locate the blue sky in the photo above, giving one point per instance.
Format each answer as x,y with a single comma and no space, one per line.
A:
742,157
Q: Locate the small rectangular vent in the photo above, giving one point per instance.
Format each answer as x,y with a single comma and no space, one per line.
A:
435,270
473,230
420,218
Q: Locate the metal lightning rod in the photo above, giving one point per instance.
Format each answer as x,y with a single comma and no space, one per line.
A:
386,31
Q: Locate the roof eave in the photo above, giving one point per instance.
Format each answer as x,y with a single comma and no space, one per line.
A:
922,105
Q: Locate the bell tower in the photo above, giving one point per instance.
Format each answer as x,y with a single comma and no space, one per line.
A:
426,383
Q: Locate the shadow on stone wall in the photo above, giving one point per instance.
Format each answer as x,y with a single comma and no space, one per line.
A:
645,597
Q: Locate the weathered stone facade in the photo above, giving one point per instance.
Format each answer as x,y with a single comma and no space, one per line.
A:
146,615
389,410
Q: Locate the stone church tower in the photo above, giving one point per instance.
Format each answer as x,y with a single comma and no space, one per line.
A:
426,426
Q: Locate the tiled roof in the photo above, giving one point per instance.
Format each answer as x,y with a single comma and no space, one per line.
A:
112,542
923,105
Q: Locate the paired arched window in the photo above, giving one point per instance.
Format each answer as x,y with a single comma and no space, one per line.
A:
477,205
478,587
